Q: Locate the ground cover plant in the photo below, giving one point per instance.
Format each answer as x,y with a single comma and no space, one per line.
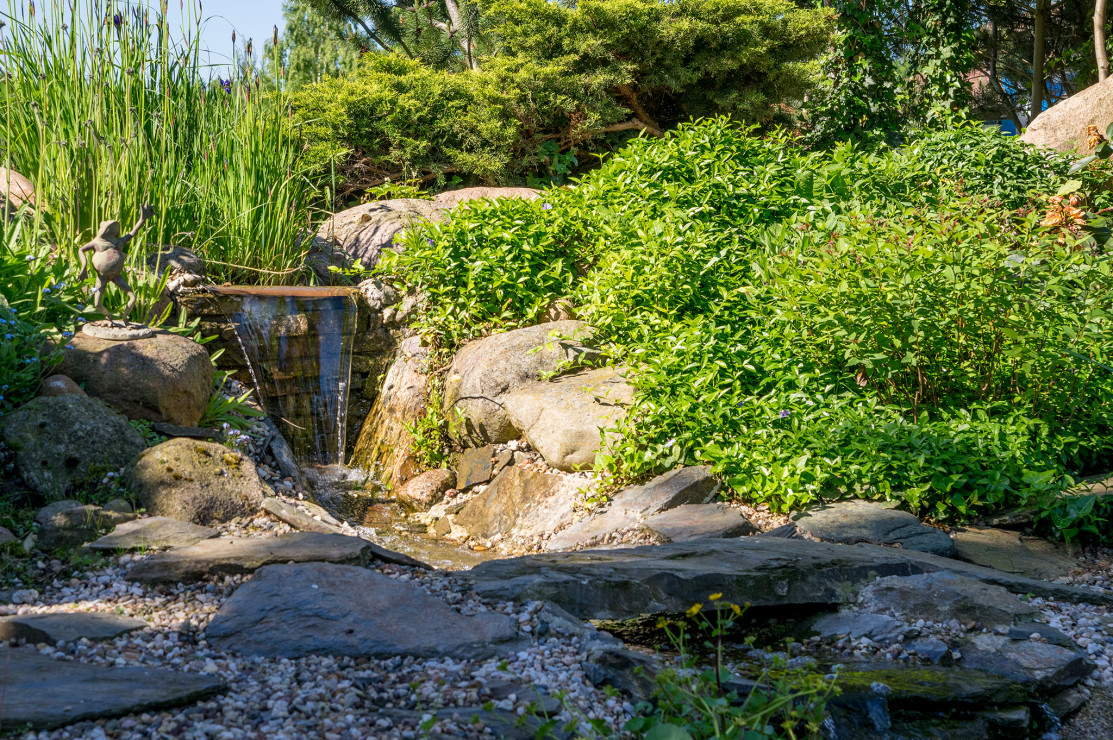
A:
925,324
104,111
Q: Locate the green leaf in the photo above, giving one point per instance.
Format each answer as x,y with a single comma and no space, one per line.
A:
668,732
1070,186
1081,164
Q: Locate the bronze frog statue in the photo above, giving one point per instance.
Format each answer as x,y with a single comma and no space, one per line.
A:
109,259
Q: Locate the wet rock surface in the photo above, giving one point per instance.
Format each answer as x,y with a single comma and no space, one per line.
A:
850,522
521,504
61,442
326,609
426,490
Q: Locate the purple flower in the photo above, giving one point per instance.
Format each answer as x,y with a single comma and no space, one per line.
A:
431,243
226,84
784,413
547,207
117,21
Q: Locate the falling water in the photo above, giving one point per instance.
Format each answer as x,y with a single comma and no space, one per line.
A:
298,347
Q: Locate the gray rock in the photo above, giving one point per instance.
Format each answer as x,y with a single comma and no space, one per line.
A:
118,505
929,648
379,294
1068,701
849,522
1062,127
426,490
303,609
195,481
164,378
700,522
235,555
1025,630
363,232
1013,552
522,503
485,370
943,596
66,524
170,257
67,627
683,486
6,536
152,533
451,198
43,693
475,467
297,518
564,419
61,442
1040,666
765,571
877,627
630,672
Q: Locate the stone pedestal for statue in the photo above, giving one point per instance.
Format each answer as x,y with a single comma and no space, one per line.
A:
117,331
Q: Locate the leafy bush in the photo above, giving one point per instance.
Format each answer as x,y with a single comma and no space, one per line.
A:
896,324
103,112
560,79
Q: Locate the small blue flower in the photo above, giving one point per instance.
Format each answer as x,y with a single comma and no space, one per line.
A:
3,387
785,413
30,258
67,334
547,207
431,243
46,290
81,320
69,346
8,336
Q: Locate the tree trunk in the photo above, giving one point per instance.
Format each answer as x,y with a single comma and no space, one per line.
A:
1099,40
1039,55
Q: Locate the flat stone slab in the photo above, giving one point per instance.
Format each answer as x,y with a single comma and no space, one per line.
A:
1041,666
700,522
326,609
67,627
237,555
297,518
42,692
850,522
765,571
153,533
1013,552
942,596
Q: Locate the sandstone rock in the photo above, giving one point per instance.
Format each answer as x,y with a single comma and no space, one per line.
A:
475,467
563,419
290,611
485,370
59,385
765,571
195,481
15,191
943,596
451,198
1041,666
363,232
426,490
1062,127
692,485
297,518
235,555
67,627
520,504
848,522
164,378
66,524
62,441
385,443
1013,552
700,522
42,692
152,533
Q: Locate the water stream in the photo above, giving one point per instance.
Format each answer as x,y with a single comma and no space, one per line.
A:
298,345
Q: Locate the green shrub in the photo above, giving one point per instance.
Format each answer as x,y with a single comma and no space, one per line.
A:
895,324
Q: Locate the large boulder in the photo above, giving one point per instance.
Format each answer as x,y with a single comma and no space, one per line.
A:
452,198
563,419
164,378
195,481
290,611
522,504
66,524
363,232
849,522
15,191
487,369
385,443
1062,127
63,441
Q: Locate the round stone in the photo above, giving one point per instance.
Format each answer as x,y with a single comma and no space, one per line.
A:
117,331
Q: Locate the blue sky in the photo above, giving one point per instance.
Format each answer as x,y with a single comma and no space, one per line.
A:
253,19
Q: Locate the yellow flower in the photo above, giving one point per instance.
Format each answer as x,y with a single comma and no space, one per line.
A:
694,609
714,597
736,609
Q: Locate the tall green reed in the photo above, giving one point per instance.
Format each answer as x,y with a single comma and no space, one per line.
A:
107,109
